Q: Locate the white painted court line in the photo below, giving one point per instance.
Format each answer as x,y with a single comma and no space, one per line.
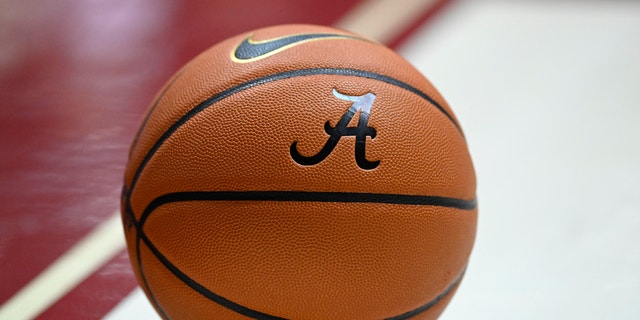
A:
100,245
383,20
134,306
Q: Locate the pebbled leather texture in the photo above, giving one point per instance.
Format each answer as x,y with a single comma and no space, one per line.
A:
222,223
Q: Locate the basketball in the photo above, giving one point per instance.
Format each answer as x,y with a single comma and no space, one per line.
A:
299,172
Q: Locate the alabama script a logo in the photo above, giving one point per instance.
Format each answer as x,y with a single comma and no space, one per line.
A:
361,103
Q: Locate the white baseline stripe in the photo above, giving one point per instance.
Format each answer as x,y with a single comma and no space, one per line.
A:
95,249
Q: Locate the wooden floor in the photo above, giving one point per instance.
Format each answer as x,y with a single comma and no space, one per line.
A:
547,92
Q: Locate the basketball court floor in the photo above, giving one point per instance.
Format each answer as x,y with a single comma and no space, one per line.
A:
548,93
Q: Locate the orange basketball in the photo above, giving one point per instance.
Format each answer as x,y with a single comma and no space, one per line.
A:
299,172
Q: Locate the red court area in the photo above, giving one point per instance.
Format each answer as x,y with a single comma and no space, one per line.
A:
75,80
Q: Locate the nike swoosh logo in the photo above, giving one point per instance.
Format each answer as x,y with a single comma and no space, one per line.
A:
251,50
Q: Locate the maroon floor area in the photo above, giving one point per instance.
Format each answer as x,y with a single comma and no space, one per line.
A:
75,79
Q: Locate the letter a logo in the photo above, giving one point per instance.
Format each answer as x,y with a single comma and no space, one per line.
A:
361,103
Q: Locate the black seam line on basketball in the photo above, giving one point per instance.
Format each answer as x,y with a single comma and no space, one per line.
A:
153,107
306,196
260,315
152,297
136,225
433,302
280,76
222,301
204,291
